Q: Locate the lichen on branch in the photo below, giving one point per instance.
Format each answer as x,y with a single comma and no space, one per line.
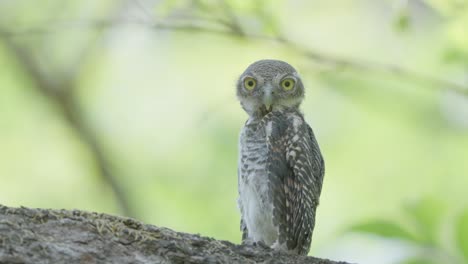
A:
63,236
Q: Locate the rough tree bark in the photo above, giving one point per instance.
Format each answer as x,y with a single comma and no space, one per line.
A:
62,236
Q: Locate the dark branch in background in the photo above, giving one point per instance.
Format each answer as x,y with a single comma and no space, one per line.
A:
60,90
61,93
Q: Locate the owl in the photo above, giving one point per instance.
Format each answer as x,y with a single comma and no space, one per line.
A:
280,167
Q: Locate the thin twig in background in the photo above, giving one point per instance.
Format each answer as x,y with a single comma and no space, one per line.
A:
225,28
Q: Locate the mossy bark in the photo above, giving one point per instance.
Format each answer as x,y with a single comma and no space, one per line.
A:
63,236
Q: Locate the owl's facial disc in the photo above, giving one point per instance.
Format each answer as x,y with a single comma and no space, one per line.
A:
269,85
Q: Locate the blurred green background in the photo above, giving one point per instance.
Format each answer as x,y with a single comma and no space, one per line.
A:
129,108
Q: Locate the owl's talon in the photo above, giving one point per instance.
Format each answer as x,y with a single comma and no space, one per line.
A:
261,244
248,242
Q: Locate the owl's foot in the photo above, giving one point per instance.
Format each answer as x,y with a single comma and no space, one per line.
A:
279,247
261,244
249,242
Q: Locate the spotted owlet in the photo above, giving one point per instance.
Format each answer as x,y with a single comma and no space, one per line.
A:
280,170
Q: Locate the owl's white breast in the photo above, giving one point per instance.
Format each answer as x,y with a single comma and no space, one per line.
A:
254,201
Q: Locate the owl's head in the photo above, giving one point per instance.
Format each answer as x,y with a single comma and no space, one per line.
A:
269,85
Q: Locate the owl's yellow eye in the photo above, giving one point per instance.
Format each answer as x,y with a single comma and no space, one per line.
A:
250,83
288,84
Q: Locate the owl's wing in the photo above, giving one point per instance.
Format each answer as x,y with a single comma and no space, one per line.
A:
298,170
304,185
245,231
243,226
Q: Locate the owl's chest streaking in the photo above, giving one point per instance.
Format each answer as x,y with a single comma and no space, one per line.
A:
255,157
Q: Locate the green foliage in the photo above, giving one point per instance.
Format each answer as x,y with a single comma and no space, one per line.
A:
419,260
402,21
385,229
402,17
426,215
461,230
455,13
448,7
168,6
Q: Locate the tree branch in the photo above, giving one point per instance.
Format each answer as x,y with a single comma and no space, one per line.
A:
60,90
61,93
61,236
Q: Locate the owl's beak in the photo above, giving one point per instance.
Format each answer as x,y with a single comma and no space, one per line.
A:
268,99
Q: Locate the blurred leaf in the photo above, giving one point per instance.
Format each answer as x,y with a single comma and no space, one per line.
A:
402,20
385,229
243,6
269,21
447,7
455,55
456,32
166,7
427,214
462,233
419,260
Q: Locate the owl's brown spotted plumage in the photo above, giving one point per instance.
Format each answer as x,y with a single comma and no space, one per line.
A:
281,169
